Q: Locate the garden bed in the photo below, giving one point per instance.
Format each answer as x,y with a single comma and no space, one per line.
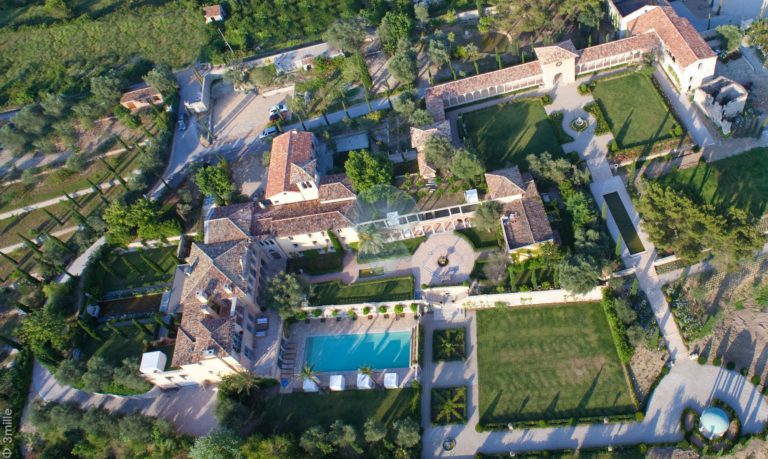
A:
449,344
480,238
448,405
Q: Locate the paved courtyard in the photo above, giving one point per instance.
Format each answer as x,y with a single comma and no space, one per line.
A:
460,259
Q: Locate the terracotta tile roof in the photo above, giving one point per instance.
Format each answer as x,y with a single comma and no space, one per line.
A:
557,53
335,187
290,162
678,35
213,11
224,229
525,220
211,268
419,137
644,43
486,80
140,94
504,183
303,218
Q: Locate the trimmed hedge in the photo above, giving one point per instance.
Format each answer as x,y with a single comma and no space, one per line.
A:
618,330
596,110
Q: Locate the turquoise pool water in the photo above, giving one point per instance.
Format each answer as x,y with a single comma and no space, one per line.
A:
349,352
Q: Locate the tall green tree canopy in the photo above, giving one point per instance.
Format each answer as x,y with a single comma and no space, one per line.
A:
346,34
214,181
285,294
366,169
394,28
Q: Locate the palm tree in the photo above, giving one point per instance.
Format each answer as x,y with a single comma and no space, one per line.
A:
308,373
371,241
368,371
472,54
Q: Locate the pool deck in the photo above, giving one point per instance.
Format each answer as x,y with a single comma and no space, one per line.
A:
378,324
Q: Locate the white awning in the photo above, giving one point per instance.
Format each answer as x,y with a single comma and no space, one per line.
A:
337,382
390,380
152,362
364,381
310,386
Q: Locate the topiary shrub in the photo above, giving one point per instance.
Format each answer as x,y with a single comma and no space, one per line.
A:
335,313
718,361
613,146
317,312
583,89
546,99
730,365
399,308
366,310
352,314
414,307
702,360
639,416
382,309
755,380
744,371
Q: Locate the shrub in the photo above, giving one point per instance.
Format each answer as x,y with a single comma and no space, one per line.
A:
301,315
366,310
352,314
317,312
696,148
613,146
755,380
744,371
602,126
676,130
546,99
730,365
335,241
583,89
639,416
335,313
399,308
717,361
702,360
414,307
479,428
382,309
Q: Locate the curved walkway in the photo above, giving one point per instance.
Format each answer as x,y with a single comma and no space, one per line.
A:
189,409
687,385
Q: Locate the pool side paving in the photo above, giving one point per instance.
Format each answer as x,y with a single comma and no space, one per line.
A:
299,332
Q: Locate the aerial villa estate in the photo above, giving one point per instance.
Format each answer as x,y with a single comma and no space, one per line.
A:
225,329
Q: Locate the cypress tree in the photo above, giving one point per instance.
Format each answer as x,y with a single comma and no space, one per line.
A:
94,187
9,258
73,201
60,243
31,245
26,276
52,216
141,326
122,142
106,268
82,221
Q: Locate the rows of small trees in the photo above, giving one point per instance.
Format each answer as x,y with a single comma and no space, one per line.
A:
68,431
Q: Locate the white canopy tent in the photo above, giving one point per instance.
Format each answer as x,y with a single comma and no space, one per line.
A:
152,362
310,386
364,381
338,383
390,380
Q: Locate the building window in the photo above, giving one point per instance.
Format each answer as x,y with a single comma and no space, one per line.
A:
701,64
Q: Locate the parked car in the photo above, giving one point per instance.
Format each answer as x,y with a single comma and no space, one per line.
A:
268,132
279,108
183,120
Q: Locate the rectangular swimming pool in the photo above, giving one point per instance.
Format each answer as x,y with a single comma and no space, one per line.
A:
626,228
349,352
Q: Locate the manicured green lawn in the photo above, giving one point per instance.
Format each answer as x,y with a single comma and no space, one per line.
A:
548,362
503,135
480,238
295,413
634,109
395,249
626,228
392,289
131,269
314,262
736,181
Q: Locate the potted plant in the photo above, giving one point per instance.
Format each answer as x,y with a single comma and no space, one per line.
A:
383,310
335,313
399,309
317,312
352,314
367,312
